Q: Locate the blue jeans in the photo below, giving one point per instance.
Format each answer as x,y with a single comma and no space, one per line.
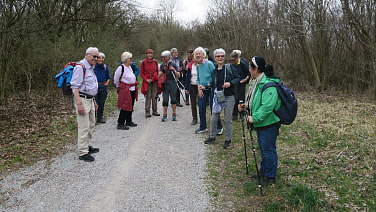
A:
100,98
202,102
267,138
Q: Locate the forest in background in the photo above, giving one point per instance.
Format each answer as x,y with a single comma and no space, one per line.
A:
316,45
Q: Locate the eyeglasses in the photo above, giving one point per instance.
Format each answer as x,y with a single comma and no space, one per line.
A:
219,56
95,56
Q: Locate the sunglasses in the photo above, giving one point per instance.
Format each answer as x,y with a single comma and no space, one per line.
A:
219,56
94,56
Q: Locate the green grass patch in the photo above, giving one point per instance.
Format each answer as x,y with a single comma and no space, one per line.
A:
326,161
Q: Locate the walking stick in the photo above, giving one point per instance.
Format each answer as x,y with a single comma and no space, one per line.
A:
180,86
250,128
243,137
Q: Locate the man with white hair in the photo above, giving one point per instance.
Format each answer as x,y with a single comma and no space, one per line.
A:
84,85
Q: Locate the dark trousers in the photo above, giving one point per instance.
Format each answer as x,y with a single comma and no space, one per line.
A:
267,138
193,92
126,116
100,98
202,103
239,97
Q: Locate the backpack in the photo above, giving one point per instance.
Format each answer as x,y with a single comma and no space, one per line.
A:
65,76
289,107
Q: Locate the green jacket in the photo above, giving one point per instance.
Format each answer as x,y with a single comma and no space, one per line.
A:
265,103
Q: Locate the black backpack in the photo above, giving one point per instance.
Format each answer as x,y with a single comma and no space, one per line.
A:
289,104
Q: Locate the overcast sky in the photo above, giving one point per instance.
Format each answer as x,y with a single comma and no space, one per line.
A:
186,10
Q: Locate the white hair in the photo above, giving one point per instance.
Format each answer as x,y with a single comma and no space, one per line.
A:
125,55
217,51
173,50
238,52
91,49
101,54
199,49
166,54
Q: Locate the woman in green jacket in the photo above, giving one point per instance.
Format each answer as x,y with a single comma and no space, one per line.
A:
266,123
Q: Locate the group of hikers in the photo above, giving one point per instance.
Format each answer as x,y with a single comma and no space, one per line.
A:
199,81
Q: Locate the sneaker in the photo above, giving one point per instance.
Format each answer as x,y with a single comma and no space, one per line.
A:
179,105
93,150
131,124
194,122
86,158
227,144
209,140
101,121
198,131
174,117
147,115
156,114
220,131
265,181
164,118
187,102
122,127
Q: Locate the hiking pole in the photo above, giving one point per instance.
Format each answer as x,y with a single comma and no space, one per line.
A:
243,136
250,128
180,86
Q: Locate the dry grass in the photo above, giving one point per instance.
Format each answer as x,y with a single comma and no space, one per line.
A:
329,150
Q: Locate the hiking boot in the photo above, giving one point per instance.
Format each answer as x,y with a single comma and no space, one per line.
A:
156,114
194,122
86,158
220,131
93,150
173,117
209,140
227,144
164,118
131,124
147,115
122,127
265,181
101,121
198,131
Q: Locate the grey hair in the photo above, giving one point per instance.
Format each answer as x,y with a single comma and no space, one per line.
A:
125,55
90,49
199,49
166,53
173,50
101,54
217,51
238,52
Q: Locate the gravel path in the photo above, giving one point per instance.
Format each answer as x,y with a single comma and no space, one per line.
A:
155,166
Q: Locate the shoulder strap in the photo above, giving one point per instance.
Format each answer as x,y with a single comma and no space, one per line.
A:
267,85
122,72
83,67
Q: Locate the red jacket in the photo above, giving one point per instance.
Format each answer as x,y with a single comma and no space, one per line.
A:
124,96
149,70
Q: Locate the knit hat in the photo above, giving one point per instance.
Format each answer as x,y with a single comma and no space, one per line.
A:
150,51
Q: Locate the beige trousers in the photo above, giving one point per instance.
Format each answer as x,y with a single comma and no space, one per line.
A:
85,125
